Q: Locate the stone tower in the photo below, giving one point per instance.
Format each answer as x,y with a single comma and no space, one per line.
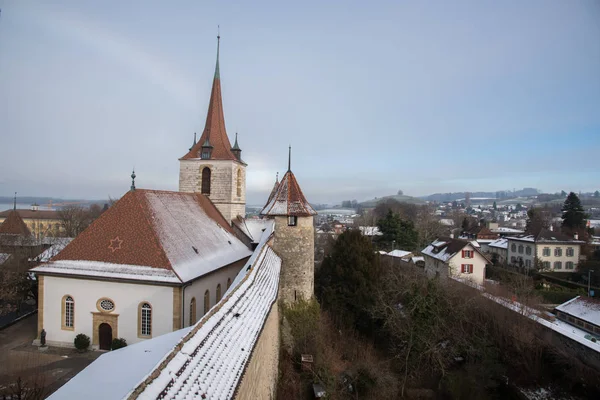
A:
212,166
294,239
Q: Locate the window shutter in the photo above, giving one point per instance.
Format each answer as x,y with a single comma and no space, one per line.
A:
462,268
463,254
470,268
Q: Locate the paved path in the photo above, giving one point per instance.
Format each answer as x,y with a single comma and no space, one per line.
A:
19,358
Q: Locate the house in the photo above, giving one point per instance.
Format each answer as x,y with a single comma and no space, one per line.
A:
41,223
455,257
582,312
500,248
554,251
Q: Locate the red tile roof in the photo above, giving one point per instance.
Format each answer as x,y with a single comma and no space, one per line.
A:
14,225
33,214
144,228
214,129
288,199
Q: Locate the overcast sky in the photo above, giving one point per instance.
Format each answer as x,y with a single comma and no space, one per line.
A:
373,96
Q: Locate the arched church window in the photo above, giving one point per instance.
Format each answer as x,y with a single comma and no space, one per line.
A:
145,320
206,181
192,311
239,182
218,292
206,301
68,313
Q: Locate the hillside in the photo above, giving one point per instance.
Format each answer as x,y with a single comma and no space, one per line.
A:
398,197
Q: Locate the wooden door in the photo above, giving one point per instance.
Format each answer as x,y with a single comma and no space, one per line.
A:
105,336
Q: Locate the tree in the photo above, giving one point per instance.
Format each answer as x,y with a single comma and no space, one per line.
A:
573,214
596,194
537,219
495,206
396,229
400,193
563,193
345,283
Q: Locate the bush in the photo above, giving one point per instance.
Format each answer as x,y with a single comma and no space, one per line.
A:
82,342
117,343
557,297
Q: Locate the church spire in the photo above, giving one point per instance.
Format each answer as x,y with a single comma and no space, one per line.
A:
214,136
133,180
15,202
290,159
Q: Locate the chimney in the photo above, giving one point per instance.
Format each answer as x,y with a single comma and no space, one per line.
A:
551,228
576,236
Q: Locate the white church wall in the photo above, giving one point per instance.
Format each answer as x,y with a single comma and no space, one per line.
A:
86,293
208,282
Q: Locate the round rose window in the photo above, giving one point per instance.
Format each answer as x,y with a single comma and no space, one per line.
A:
107,305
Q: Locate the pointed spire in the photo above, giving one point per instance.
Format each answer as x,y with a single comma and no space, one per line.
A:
133,180
217,74
15,202
194,142
235,145
290,159
277,177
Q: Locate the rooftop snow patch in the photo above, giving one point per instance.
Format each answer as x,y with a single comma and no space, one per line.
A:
584,308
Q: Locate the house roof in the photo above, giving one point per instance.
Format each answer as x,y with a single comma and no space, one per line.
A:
253,228
33,214
288,199
501,243
399,253
14,225
214,129
183,233
56,246
582,307
273,191
547,236
444,249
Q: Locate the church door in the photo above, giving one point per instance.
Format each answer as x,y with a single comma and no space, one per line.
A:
105,336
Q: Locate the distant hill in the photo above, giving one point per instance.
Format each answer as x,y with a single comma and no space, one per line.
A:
398,197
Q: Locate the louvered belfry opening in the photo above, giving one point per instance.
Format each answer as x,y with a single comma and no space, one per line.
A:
206,181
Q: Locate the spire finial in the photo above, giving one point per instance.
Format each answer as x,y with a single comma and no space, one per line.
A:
217,74
15,202
277,177
133,179
290,159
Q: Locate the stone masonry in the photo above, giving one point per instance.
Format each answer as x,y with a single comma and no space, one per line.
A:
224,183
296,247
260,377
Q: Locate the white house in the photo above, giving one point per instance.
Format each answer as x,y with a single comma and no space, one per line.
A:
500,248
455,257
554,250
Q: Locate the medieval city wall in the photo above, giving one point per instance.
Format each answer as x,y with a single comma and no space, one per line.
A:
228,179
296,247
260,377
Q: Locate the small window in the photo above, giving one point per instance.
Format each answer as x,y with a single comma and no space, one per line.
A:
145,319
558,252
528,263
206,181
513,260
513,247
467,253
557,265
292,220
546,252
570,252
68,313
589,327
206,301
218,292
520,249
546,264
528,250
107,305
569,265
579,322
467,268
192,311
239,182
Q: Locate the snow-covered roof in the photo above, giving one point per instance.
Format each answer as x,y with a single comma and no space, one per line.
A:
445,248
547,236
501,243
370,230
118,372
181,232
56,246
107,270
399,253
210,361
253,228
417,259
584,308
503,229
288,199
447,222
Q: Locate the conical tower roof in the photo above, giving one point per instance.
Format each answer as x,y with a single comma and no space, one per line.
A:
214,130
274,190
288,199
14,225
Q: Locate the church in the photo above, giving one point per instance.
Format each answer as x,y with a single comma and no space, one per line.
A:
191,285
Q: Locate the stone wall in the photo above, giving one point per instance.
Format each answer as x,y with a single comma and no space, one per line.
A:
223,187
296,247
260,377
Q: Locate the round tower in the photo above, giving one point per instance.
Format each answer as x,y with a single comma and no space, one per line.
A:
294,238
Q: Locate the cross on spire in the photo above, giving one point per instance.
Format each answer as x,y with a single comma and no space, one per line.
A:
133,179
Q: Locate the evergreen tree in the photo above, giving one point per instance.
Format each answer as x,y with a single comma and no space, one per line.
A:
596,194
536,220
573,215
395,229
495,206
346,281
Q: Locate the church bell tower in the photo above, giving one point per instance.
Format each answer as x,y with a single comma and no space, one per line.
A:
212,166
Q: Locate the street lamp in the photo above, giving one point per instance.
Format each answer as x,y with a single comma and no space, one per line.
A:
589,280
394,247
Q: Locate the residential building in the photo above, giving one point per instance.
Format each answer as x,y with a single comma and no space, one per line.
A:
582,312
41,223
500,248
455,258
550,250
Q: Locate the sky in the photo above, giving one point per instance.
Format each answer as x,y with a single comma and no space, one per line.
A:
372,96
